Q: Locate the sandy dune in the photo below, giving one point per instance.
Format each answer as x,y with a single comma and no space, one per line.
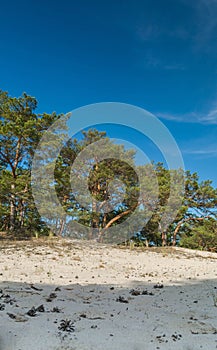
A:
74,295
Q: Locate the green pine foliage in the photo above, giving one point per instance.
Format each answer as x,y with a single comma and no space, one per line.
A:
201,236
21,129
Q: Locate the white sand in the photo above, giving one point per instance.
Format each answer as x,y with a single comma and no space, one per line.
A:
91,278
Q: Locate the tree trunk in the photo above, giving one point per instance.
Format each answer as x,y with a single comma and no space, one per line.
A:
95,218
164,239
104,220
62,225
12,208
21,213
175,233
12,199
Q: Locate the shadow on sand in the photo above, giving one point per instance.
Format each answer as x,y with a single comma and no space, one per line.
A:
137,317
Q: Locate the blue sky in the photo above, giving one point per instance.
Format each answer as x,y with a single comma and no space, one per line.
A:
158,55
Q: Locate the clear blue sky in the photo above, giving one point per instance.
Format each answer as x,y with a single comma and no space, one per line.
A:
158,55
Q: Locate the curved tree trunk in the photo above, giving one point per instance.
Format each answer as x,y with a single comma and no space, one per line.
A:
183,222
119,216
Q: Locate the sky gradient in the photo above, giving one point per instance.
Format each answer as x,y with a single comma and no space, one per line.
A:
158,55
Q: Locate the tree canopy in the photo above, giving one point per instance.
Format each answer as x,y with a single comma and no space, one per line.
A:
106,188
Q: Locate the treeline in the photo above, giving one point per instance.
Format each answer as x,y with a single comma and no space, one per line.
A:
21,129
